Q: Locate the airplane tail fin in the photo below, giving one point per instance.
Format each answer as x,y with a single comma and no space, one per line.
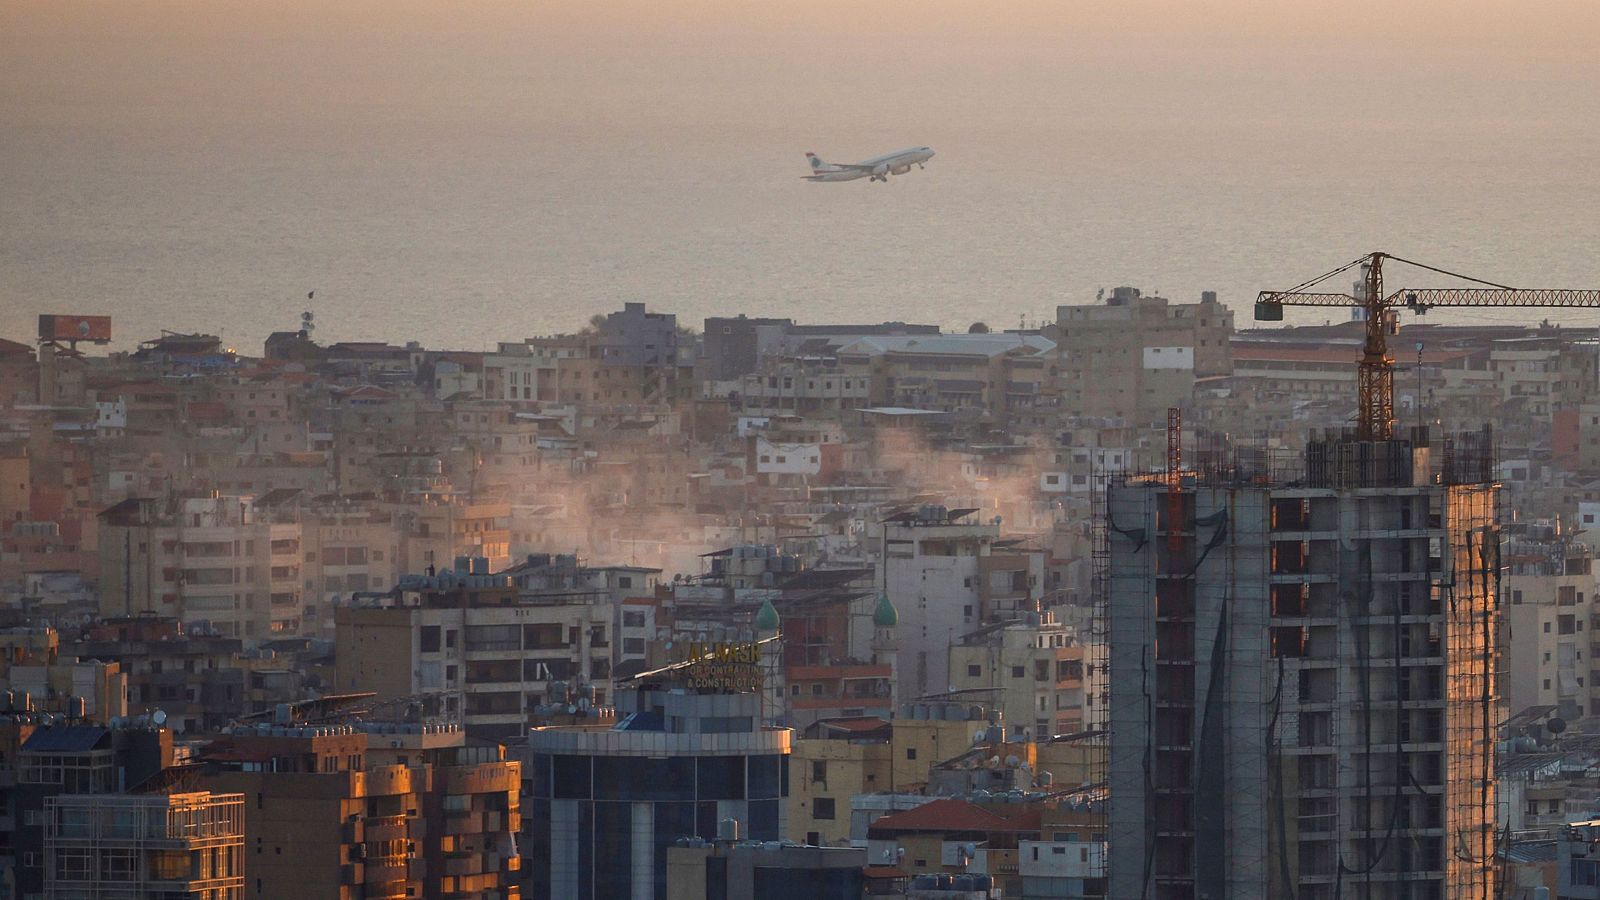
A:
815,160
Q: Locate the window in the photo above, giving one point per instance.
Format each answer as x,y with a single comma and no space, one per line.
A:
1585,872
75,864
1018,672
822,808
911,753
974,671
429,637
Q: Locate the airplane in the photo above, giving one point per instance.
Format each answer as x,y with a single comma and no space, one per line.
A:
878,168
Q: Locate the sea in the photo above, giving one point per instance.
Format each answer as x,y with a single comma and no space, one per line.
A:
462,174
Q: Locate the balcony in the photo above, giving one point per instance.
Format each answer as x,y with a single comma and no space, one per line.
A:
469,823
383,828
466,864
481,779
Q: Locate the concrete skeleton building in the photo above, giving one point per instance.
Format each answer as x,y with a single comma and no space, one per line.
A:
1302,675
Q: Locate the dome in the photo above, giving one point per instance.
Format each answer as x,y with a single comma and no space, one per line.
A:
767,618
885,616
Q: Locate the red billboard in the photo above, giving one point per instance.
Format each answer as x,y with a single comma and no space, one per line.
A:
75,328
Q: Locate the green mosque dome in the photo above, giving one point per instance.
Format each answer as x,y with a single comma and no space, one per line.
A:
767,618
885,616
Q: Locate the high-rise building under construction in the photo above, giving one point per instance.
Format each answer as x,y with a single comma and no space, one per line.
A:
1301,693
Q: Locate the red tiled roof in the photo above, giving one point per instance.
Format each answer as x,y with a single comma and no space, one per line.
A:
955,815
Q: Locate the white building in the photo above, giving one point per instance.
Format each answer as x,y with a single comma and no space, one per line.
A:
945,576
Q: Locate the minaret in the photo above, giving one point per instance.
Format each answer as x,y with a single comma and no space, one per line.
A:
775,696
884,645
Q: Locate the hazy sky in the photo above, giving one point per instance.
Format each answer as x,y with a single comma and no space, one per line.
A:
430,165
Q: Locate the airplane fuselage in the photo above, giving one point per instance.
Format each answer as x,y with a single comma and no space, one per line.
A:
878,168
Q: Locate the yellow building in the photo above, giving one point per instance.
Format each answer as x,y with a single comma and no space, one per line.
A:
1032,670
836,759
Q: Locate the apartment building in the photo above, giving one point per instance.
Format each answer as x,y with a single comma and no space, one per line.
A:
177,846
491,653
1547,618
991,377
1033,670
836,759
196,677
1302,675
947,575
204,559
1132,357
337,812
51,760
40,678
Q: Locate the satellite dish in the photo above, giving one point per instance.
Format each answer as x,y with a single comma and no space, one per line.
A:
1556,725
160,718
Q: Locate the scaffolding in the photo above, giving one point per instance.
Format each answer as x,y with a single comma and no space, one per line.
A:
1097,659
1301,691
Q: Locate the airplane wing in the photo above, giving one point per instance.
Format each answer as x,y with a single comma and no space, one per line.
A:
856,167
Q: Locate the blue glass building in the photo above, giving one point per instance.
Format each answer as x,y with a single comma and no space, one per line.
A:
601,804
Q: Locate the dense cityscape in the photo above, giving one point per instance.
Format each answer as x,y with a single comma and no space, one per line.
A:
1139,602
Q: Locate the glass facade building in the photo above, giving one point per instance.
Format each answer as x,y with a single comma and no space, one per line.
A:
602,805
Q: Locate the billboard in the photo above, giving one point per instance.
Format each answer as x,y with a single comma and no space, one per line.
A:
75,328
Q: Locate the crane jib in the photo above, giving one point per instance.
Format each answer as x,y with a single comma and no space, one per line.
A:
1375,418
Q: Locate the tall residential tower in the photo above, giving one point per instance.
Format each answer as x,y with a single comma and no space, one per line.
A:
1302,692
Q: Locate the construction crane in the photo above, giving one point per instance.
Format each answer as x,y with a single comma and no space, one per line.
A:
1375,420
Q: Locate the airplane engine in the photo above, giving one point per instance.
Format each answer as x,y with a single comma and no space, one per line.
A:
881,173
900,170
